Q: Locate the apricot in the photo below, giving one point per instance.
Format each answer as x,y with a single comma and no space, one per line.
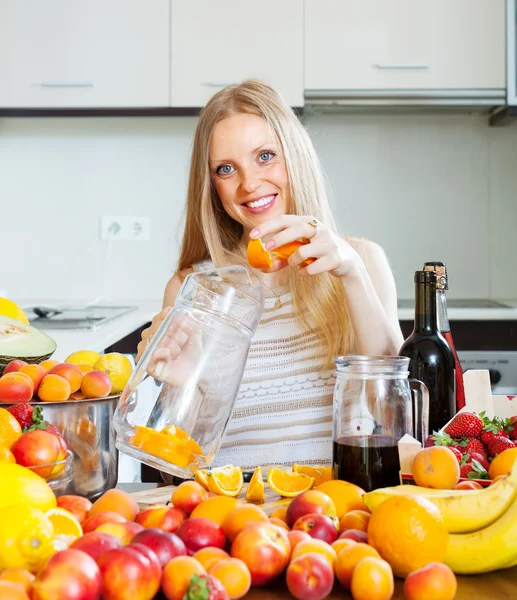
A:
296,536
12,591
14,365
48,364
310,576
166,518
16,387
342,543
36,373
188,495
279,523
216,508
124,532
177,574
468,485
372,579
117,501
318,546
355,519
95,384
97,520
54,388
436,467
37,450
21,577
435,581
242,517
234,575
72,373
210,556
280,513
349,558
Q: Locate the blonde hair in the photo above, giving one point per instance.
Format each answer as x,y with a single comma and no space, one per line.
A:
210,233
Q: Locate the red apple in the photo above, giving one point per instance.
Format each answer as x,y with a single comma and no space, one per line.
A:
310,577
265,549
311,501
127,575
354,534
37,449
317,526
200,532
69,575
96,543
14,365
165,545
166,518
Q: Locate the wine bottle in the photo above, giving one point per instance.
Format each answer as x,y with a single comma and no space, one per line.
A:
430,358
442,285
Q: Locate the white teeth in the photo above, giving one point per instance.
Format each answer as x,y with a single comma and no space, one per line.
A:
261,202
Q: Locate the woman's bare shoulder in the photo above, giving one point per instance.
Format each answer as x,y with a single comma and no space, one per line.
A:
369,251
173,286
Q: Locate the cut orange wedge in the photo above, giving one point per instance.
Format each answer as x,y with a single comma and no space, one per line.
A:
171,444
288,484
225,481
201,478
255,490
261,258
320,474
64,523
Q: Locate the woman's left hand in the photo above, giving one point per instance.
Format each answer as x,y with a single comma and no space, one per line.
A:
333,254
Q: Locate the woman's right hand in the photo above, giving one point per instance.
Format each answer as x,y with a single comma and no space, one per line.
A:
148,333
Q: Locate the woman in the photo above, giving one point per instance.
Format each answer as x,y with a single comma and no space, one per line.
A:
254,174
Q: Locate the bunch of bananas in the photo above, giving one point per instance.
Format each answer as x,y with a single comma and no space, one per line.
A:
482,524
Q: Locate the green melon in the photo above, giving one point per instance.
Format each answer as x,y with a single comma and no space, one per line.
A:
18,340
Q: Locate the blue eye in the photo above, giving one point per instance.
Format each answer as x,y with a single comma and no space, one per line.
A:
266,155
224,170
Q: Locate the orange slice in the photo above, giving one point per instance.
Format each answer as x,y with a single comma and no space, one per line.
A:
225,481
64,523
288,484
261,258
174,446
255,490
201,478
320,474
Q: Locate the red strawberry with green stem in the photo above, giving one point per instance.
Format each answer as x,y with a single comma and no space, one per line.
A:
26,414
205,587
492,429
474,445
499,444
466,425
472,469
510,426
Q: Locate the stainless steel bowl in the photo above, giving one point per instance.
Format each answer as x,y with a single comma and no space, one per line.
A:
87,427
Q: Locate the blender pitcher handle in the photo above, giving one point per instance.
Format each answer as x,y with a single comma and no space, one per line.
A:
420,402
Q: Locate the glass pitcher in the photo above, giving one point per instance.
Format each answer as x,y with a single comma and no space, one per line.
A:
173,413
375,404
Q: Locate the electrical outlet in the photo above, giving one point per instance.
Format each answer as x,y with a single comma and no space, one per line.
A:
125,228
139,228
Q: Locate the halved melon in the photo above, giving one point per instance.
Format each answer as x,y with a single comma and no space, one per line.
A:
18,340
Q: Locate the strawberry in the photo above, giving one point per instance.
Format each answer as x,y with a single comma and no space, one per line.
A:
511,427
491,429
474,445
438,439
481,458
499,444
205,587
471,469
456,453
22,413
464,424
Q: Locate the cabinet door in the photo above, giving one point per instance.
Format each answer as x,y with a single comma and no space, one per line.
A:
68,53
214,44
404,44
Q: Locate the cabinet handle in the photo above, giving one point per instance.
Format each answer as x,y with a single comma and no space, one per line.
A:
400,66
58,84
218,84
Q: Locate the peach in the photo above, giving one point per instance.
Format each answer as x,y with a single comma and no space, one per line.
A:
234,576
155,565
37,449
354,534
297,536
14,365
72,373
16,387
310,577
279,523
318,546
209,556
349,558
95,384
12,591
77,505
311,501
124,532
279,513
68,575
317,526
355,519
96,543
468,485
167,518
85,368
188,495
177,574
108,516
199,532
242,517
48,364
165,545
435,581
372,579
265,549
117,501
36,373
127,574
21,577
339,544
54,388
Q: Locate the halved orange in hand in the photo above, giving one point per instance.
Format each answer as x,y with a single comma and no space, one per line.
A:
261,258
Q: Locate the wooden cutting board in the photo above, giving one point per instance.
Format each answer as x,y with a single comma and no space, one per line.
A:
163,495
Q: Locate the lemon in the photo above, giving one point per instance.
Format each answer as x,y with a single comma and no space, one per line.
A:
19,485
117,367
26,538
83,357
9,309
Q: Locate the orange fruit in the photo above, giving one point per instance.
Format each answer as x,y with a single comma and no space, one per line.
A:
216,508
6,455
171,444
408,532
210,555
10,429
225,481
242,517
503,463
261,258
346,496
255,490
349,558
355,519
436,467
288,484
201,477
320,474
372,579
64,523
235,576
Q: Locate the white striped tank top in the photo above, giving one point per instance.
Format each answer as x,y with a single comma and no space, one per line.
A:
283,411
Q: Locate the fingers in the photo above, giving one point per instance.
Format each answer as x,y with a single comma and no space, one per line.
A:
278,264
148,333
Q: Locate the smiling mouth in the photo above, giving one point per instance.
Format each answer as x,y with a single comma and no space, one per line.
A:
261,202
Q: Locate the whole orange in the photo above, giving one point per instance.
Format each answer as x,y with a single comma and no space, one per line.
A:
409,532
436,467
503,463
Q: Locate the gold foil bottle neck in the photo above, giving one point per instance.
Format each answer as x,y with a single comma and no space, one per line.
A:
442,282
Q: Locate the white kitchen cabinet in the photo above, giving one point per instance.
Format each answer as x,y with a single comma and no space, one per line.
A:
405,45
214,44
69,53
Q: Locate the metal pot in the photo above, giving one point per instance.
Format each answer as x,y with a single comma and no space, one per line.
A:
87,427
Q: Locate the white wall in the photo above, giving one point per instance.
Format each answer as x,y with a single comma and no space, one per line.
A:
426,187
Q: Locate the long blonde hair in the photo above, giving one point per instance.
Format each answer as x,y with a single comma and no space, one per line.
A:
210,233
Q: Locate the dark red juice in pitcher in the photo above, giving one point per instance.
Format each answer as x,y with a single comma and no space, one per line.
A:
370,461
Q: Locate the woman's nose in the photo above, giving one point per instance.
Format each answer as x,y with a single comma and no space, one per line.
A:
250,182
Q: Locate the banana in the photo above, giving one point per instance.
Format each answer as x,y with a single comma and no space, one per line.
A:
463,511
491,548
